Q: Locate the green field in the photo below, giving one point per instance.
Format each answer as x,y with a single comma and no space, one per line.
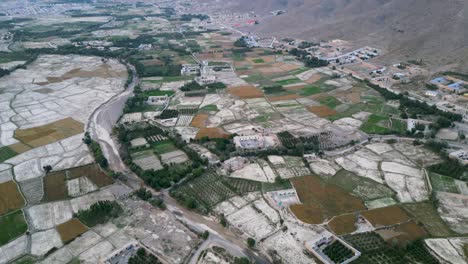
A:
6,153
170,79
298,71
441,183
209,108
310,90
330,101
288,81
258,61
165,146
13,225
371,126
365,188
427,214
159,93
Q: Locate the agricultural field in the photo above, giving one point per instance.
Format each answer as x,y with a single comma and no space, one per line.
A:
6,153
10,197
93,172
343,224
52,132
320,198
71,229
162,147
246,92
55,186
212,132
13,225
441,183
386,216
211,189
426,214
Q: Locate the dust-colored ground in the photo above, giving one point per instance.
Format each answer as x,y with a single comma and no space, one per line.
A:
386,216
104,71
283,97
10,197
322,110
199,120
212,132
52,132
343,224
71,229
246,92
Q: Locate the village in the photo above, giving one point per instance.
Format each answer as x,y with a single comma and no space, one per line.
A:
171,136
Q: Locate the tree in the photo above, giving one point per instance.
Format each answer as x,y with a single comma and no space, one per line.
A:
205,235
47,168
251,242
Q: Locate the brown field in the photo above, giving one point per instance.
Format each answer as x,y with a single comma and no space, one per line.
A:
330,198
241,64
71,229
322,110
403,234
104,71
10,197
199,120
246,92
313,79
283,97
19,147
94,174
55,186
386,216
343,224
308,213
212,132
352,95
52,132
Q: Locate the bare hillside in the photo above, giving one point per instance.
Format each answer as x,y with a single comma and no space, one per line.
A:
434,30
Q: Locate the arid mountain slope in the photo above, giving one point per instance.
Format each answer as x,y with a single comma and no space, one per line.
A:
434,30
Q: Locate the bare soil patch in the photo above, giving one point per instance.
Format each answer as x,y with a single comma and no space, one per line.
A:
71,229
322,110
199,120
289,67
52,132
212,132
386,216
246,92
268,69
10,197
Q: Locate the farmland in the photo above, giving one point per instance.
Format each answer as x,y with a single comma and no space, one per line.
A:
213,132
55,186
71,229
426,214
6,153
246,92
343,224
52,132
10,197
13,225
318,195
386,216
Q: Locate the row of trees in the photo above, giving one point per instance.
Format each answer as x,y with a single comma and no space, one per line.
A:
308,60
